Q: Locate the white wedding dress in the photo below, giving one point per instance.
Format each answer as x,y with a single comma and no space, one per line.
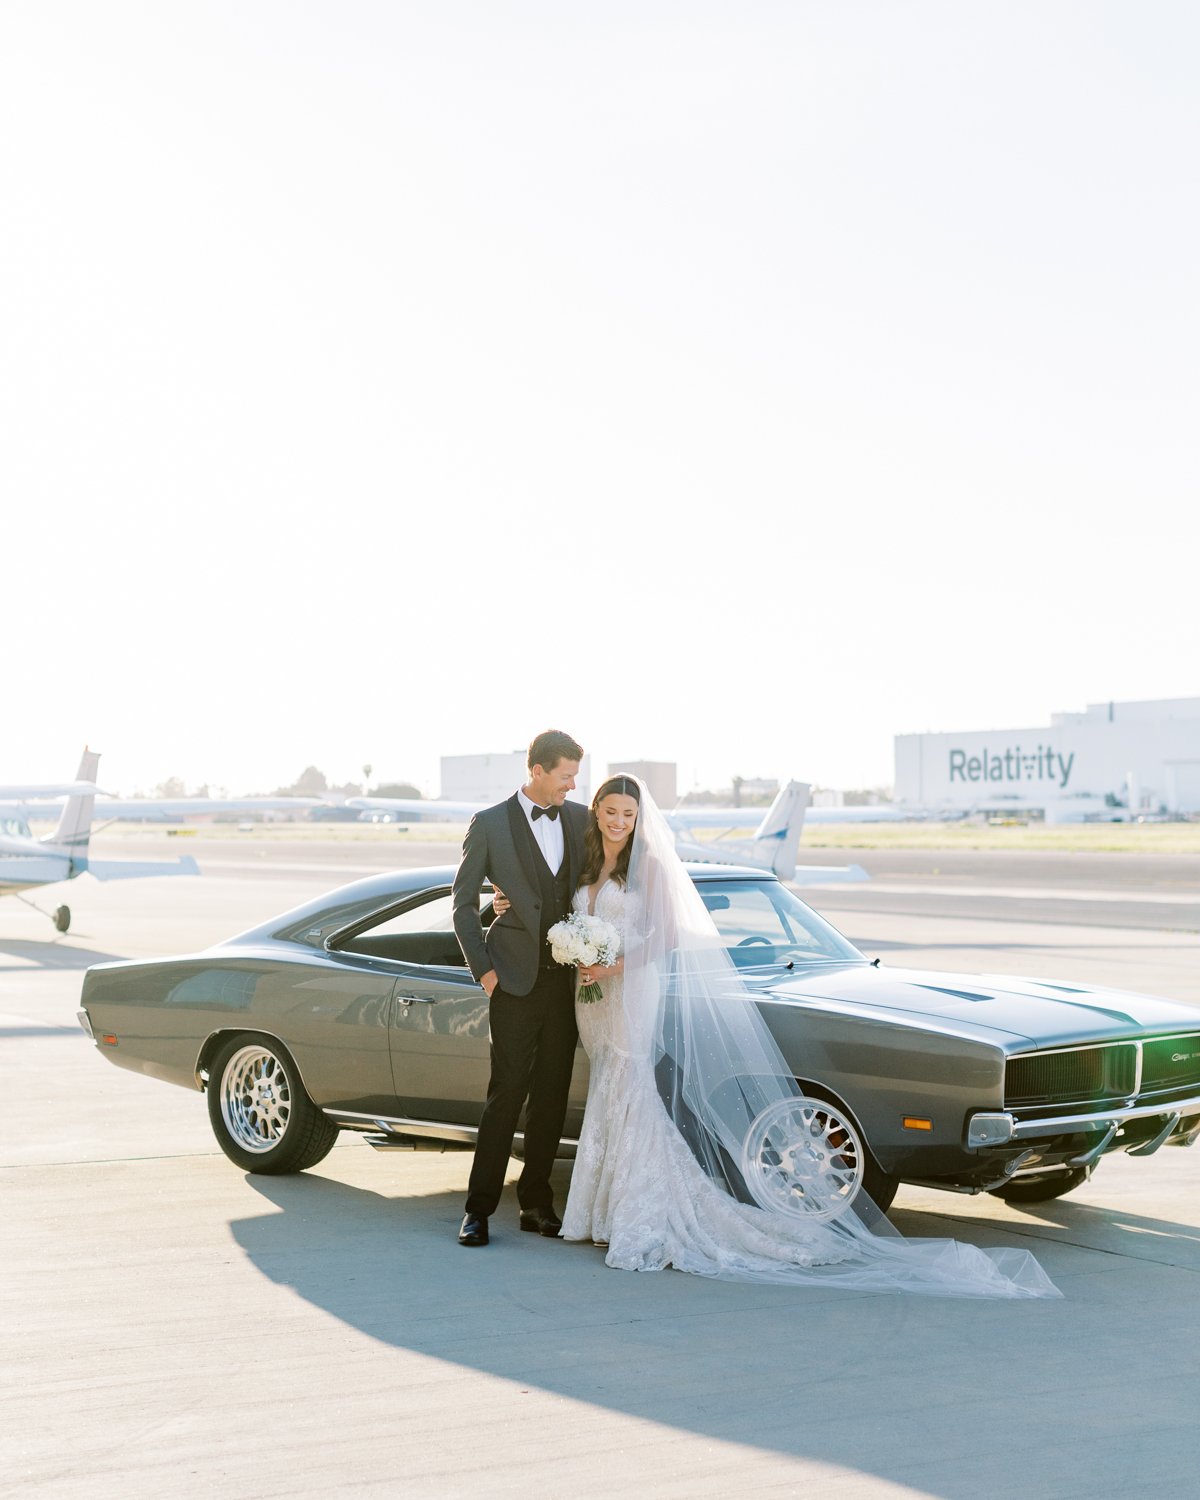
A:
638,1190
636,1187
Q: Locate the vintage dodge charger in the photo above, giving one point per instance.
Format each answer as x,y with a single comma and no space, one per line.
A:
356,1012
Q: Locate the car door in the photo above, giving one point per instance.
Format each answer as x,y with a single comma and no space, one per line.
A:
335,1019
438,1032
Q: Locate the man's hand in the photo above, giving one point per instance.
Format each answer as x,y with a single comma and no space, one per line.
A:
489,982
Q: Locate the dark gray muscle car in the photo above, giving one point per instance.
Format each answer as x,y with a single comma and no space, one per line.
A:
356,1012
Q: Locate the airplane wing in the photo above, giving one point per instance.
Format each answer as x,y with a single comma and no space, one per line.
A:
181,807
44,791
751,817
138,869
417,809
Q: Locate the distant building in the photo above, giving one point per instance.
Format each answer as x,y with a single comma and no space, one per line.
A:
659,776
491,778
1141,756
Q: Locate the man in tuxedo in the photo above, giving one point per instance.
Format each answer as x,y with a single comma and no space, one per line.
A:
531,848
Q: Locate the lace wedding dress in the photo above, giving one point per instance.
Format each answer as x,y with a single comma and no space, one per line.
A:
638,1189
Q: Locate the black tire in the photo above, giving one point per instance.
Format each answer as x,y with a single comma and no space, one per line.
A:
263,1120
1040,1187
62,918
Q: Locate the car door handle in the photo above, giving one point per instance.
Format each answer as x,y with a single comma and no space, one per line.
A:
415,999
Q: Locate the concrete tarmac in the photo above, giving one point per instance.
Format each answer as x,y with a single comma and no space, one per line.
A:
174,1327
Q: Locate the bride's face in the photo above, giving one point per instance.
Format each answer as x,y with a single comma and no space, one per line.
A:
616,815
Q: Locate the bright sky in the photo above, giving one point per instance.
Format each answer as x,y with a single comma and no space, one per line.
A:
739,384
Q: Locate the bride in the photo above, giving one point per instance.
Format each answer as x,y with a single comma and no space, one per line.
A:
690,1103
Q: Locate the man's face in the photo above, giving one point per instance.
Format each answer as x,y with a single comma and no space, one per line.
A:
550,788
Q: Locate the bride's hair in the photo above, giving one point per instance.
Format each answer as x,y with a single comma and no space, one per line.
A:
593,842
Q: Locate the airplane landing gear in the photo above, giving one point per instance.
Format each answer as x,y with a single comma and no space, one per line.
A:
60,916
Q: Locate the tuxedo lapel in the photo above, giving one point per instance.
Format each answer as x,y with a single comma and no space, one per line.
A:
573,843
522,836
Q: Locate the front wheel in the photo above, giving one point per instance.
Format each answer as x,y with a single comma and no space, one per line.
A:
261,1116
62,918
806,1157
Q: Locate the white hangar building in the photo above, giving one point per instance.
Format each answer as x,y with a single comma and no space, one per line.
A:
491,778
1141,756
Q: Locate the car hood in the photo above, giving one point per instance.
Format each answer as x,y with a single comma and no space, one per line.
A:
1038,1011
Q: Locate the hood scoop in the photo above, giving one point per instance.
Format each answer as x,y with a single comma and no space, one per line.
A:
939,989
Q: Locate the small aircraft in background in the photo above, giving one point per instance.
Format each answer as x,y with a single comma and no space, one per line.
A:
773,844
745,836
27,862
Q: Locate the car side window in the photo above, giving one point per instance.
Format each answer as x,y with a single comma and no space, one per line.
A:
420,934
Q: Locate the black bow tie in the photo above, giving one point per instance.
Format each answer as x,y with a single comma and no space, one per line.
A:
545,812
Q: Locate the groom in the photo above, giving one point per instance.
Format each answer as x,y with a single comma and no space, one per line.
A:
531,848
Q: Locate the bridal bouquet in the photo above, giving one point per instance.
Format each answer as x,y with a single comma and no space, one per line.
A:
584,940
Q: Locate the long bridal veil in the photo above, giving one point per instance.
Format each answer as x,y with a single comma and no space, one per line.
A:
701,1045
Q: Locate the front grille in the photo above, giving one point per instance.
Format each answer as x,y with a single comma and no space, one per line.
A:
1171,1062
1085,1075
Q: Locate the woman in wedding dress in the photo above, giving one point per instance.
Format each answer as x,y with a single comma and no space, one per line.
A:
690,1104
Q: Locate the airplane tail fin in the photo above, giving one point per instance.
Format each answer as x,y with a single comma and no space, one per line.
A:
782,827
75,824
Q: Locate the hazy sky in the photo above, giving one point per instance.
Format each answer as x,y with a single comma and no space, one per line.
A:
739,384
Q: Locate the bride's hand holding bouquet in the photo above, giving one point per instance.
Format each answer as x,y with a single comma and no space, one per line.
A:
590,944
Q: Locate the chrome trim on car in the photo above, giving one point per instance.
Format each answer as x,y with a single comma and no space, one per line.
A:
1095,1151
1058,1124
988,1128
436,1130
1148,1148
86,1022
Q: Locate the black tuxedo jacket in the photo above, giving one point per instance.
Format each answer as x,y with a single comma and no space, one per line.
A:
497,848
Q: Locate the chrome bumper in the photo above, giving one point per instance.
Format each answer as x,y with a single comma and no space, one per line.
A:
987,1128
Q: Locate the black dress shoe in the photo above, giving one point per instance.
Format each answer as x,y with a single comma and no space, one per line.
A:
541,1221
474,1230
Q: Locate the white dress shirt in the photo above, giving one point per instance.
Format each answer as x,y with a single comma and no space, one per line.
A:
547,831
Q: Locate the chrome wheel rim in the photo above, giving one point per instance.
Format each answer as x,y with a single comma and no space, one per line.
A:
256,1099
803,1157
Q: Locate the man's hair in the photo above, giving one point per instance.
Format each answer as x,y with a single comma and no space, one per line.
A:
551,746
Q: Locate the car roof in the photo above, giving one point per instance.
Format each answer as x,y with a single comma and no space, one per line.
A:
338,908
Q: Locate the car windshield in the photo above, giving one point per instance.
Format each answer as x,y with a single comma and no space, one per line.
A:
762,922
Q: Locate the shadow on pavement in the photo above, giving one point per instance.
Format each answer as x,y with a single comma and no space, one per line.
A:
958,1398
50,955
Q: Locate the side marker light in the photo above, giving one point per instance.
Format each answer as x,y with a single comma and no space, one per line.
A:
108,1039
911,1122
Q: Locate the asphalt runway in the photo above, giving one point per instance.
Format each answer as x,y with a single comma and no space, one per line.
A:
175,1327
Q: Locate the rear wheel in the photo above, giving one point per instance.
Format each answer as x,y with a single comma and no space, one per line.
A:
1040,1187
261,1116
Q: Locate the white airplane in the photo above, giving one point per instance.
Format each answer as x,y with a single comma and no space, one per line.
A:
27,863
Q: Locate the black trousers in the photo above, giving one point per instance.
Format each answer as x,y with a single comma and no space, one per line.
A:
533,1052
